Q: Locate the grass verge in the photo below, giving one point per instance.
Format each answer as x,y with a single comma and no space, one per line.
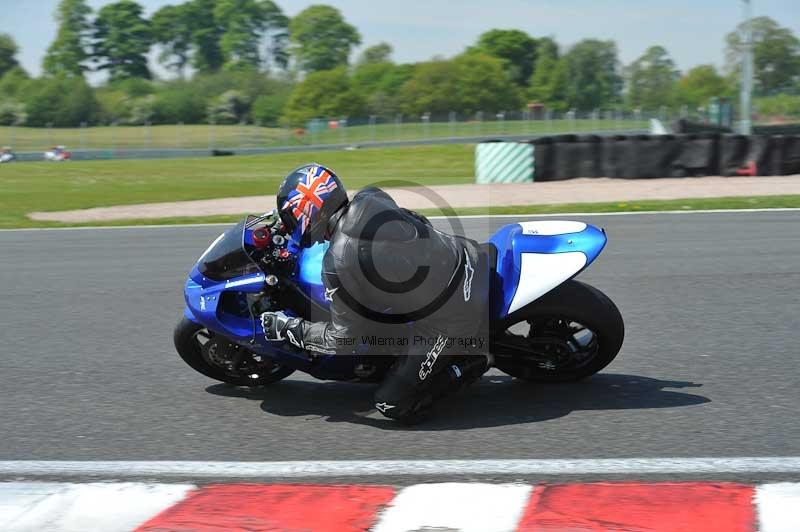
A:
29,187
688,205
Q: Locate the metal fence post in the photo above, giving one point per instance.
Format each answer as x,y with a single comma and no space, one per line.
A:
452,120
211,135
83,136
148,140
526,117
501,122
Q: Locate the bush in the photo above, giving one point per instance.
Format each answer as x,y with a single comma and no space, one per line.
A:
325,94
14,83
12,114
175,105
467,84
134,87
230,108
267,108
142,111
62,102
780,105
115,105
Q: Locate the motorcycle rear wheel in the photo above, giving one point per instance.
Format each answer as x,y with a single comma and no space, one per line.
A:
190,339
573,332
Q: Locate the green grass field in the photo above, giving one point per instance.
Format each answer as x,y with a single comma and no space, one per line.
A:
686,205
28,187
237,136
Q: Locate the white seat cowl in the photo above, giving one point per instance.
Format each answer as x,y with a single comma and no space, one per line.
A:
540,273
551,227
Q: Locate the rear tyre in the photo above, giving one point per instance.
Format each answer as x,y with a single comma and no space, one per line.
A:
219,359
567,335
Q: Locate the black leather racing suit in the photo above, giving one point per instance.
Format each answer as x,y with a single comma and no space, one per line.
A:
387,267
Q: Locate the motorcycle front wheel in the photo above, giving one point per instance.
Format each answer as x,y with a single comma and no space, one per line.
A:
220,359
567,335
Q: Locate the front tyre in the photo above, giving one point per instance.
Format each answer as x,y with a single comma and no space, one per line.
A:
218,358
567,335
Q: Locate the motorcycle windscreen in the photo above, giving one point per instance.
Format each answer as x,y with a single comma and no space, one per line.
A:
226,257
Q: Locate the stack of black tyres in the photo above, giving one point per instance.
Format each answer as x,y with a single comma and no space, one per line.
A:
652,156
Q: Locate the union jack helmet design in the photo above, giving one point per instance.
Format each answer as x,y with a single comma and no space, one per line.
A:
307,198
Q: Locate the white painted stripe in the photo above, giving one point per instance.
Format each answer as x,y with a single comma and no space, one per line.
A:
33,506
367,468
464,217
778,507
464,507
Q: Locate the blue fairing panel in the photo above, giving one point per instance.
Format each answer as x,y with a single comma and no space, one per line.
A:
534,240
309,273
202,297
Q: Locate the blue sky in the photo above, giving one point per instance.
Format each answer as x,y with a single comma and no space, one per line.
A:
692,30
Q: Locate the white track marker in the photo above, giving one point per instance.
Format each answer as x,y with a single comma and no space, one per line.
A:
466,507
464,217
378,468
778,507
79,507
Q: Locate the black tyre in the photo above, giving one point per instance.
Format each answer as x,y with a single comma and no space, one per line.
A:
219,359
567,335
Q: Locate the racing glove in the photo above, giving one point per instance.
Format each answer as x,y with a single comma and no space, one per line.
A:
279,327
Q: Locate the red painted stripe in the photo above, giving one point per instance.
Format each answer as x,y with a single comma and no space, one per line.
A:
673,507
253,507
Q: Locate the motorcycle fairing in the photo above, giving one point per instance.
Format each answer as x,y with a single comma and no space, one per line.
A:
202,296
309,273
535,257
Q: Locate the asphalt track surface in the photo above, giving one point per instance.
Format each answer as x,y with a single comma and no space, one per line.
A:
710,365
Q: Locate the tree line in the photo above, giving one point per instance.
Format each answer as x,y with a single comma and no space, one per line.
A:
245,60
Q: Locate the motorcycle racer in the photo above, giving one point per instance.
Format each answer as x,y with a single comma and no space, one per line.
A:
387,269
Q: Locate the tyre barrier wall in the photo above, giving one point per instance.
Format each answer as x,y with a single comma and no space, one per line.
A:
653,156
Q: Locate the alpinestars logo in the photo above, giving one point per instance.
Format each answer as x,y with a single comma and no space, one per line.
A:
383,407
329,293
427,365
293,339
469,271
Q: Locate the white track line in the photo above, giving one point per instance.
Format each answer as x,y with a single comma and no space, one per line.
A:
464,217
372,468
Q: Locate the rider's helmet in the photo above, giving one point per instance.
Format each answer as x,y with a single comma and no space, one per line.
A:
307,199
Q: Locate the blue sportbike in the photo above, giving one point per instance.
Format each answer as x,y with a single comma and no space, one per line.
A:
544,325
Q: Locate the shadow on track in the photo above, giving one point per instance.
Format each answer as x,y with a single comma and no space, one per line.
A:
497,400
